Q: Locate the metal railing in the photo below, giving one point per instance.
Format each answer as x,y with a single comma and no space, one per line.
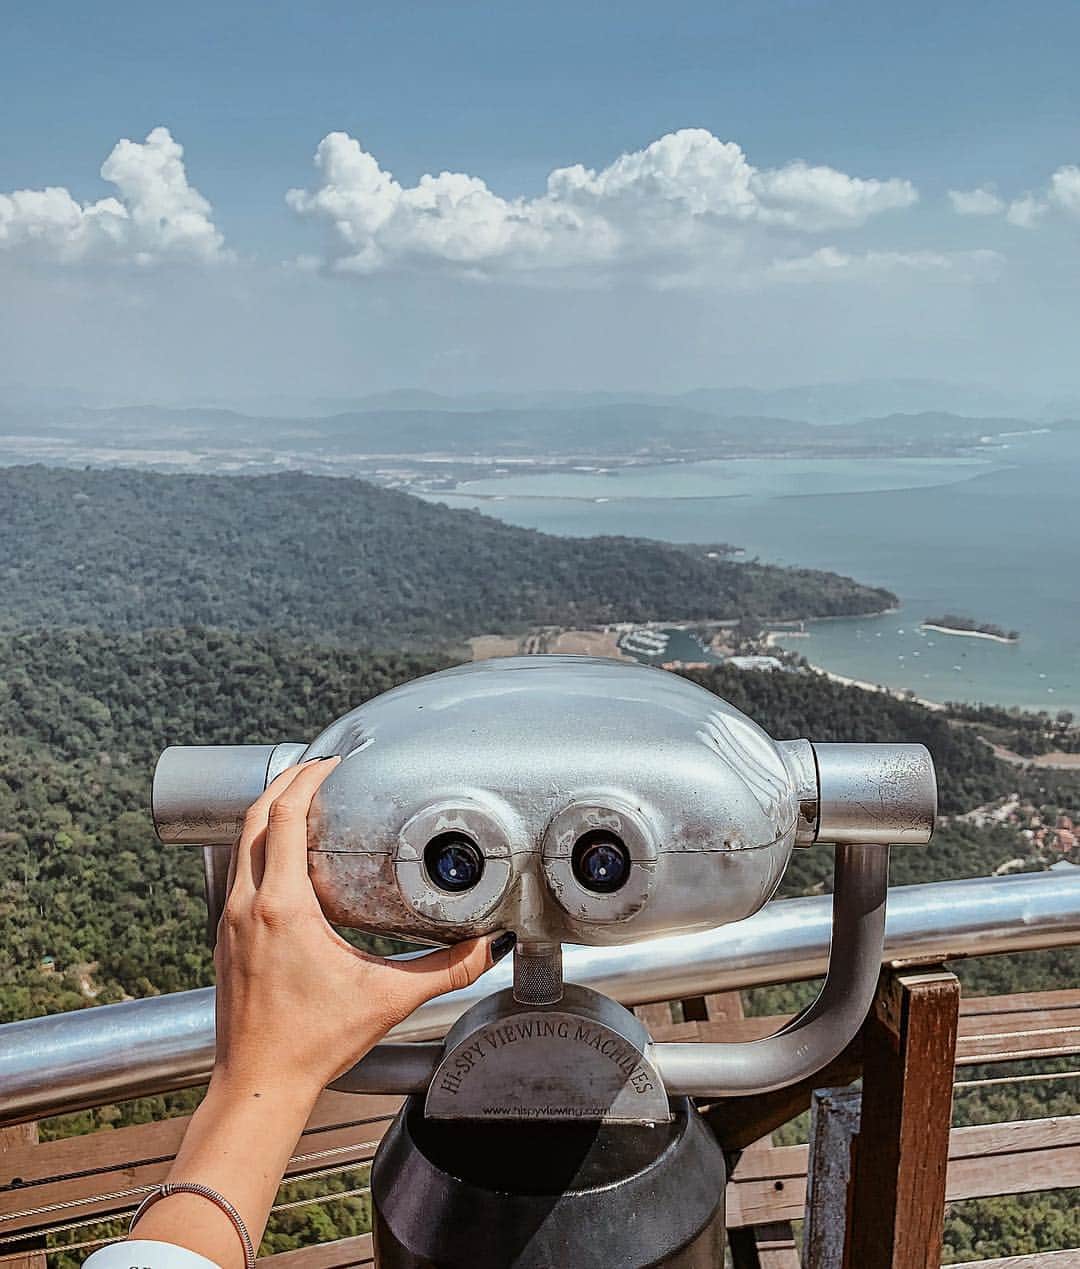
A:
66,1062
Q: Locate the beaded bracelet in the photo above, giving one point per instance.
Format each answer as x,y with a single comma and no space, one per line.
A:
203,1191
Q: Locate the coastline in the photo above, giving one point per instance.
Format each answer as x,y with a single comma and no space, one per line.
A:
462,491
967,634
603,642
772,636
500,466
880,688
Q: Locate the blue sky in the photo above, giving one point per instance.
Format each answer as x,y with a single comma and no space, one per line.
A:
822,277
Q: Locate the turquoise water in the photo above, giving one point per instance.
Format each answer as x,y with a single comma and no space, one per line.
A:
997,540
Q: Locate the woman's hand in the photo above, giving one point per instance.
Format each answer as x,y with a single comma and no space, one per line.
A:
295,1002
296,1006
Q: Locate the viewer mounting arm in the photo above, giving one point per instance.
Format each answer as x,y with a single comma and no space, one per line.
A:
822,1031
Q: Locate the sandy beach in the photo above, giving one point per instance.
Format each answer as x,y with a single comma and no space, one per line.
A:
967,634
875,687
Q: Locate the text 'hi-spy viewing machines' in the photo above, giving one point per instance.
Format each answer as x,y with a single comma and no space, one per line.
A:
584,801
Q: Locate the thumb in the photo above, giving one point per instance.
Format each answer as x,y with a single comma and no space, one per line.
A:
452,968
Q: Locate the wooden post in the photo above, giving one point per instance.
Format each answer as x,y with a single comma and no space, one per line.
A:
901,1154
31,1255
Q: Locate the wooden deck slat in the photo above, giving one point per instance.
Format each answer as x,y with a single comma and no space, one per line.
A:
351,1144
1020,1019
1063,997
774,1188
55,1173
341,1254
984,1161
1036,1260
656,1017
1026,1136
30,1255
144,1143
991,1029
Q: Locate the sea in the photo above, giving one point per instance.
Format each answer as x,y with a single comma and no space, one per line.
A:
994,537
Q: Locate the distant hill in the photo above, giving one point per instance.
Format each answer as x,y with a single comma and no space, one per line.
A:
589,429
621,430
811,403
849,402
937,425
125,549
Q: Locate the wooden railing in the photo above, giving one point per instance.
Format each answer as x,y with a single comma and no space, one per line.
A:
890,1148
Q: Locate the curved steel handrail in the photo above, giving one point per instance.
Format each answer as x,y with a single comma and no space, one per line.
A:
69,1061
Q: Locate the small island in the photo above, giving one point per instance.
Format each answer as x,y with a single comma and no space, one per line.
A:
953,625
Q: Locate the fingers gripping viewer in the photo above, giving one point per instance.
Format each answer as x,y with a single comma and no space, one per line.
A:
296,1007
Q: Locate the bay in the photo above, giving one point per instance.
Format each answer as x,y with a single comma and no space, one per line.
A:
995,538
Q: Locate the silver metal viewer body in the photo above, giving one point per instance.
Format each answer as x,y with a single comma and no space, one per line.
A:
579,800
512,763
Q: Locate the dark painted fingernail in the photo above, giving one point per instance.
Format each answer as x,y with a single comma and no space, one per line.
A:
503,944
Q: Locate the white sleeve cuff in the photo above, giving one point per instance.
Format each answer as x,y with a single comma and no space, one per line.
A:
142,1253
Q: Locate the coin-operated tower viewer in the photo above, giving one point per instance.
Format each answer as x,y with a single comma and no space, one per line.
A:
582,801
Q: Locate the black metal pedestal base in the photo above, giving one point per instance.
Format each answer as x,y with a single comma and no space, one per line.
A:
471,1195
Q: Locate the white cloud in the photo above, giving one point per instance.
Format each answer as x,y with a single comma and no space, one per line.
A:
1065,189
976,202
1026,212
816,198
831,262
157,215
684,205
1062,193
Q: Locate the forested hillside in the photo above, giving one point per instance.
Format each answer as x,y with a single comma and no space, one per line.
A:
84,715
125,550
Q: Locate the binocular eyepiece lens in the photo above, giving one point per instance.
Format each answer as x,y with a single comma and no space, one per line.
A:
453,862
600,861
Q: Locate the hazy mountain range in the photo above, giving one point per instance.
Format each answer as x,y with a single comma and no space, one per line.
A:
420,426
811,403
